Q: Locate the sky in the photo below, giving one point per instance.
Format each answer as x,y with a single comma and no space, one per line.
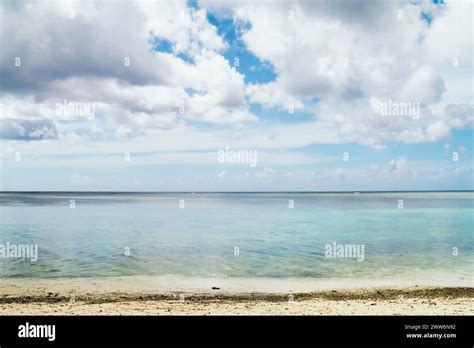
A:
236,95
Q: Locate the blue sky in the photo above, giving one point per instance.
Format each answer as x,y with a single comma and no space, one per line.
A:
328,95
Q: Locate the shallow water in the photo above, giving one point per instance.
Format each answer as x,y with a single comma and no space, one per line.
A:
273,240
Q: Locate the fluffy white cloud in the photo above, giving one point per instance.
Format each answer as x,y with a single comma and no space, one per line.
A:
83,52
188,29
345,54
332,59
424,86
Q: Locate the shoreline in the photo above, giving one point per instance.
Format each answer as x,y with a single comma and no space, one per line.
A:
139,295
333,295
174,282
420,301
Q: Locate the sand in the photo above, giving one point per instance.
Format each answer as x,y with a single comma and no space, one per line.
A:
400,306
146,296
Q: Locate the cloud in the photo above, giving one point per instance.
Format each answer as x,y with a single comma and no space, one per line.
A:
158,76
27,130
81,52
425,86
344,55
267,171
322,66
459,115
397,164
187,28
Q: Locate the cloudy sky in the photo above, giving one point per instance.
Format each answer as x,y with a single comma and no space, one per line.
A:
329,95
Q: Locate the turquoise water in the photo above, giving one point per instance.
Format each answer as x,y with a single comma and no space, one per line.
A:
91,240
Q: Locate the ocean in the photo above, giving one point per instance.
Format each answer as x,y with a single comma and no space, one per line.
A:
239,235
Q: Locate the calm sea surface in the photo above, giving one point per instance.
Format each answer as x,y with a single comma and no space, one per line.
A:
237,234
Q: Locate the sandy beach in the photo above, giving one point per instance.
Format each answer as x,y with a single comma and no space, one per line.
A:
400,305
143,296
